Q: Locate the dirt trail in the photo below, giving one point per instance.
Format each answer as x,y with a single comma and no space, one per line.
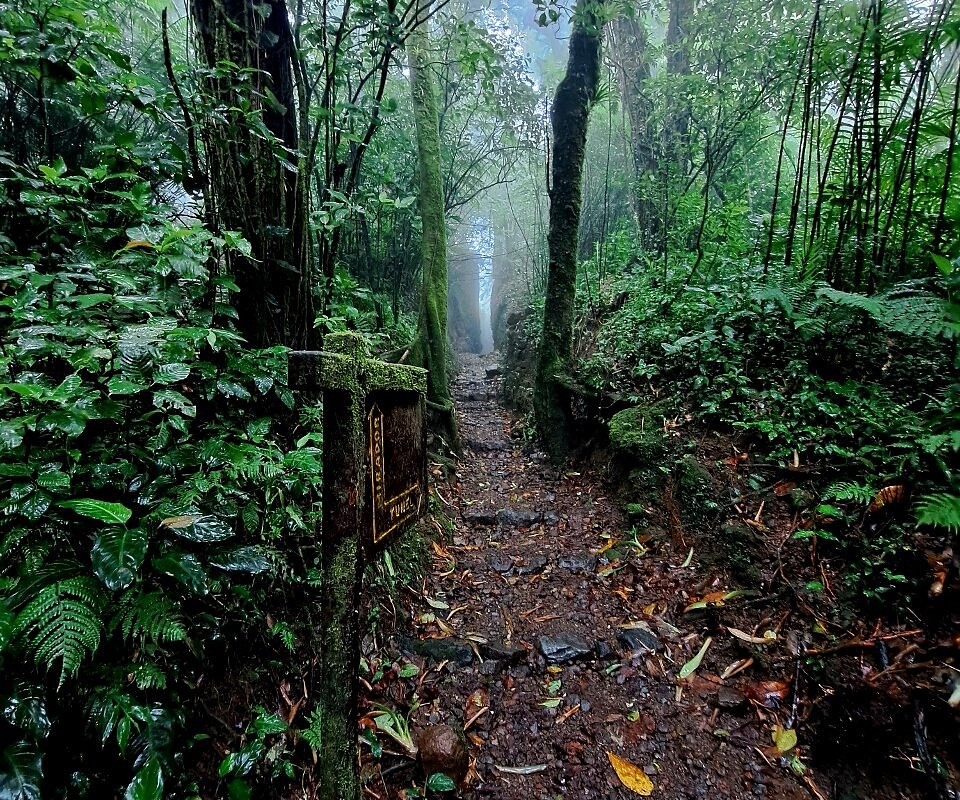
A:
538,666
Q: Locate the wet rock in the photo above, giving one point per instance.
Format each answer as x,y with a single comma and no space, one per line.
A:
639,637
518,519
602,649
454,650
480,517
534,564
584,562
490,668
551,517
502,651
731,699
564,647
442,749
500,562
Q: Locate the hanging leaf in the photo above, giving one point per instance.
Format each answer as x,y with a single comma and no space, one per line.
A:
184,567
20,772
114,513
694,663
117,555
631,776
147,784
249,558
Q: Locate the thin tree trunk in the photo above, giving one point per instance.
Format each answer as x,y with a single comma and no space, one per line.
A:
569,118
430,348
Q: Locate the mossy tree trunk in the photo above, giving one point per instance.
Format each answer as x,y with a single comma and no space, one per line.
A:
429,350
257,185
569,117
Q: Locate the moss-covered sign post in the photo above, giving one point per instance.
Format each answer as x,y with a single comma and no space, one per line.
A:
375,484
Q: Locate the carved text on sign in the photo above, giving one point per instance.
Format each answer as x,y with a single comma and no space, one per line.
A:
392,506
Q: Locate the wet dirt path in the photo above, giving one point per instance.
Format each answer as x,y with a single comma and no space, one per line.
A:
554,648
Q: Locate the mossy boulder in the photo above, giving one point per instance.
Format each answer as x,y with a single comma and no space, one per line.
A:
638,432
695,493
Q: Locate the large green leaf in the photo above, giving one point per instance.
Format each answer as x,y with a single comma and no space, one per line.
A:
147,784
196,528
114,513
248,558
117,555
20,773
172,373
6,625
185,568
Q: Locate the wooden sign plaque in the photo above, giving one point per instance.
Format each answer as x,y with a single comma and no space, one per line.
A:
396,463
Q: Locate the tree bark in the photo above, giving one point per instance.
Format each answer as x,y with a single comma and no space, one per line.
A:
429,350
569,117
257,186
630,47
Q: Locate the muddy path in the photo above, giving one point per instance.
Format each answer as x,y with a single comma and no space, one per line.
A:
553,632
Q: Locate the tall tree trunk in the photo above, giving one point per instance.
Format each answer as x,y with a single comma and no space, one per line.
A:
630,48
430,347
677,129
569,116
257,187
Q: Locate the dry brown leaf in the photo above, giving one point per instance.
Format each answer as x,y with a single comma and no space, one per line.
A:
631,775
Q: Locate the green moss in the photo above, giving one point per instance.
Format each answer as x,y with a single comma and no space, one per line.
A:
639,432
695,493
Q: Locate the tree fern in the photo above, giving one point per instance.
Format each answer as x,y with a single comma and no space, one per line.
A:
62,623
940,510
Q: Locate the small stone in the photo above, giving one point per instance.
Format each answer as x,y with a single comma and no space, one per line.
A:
579,562
563,647
602,649
480,517
444,750
551,517
518,518
534,565
457,651
490,668
502,651
639,637
730,699
500,562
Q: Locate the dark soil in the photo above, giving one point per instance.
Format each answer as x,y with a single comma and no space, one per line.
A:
553,630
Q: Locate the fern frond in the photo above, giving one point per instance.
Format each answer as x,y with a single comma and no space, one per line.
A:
940,510
845,490
62,623
151,616
149,676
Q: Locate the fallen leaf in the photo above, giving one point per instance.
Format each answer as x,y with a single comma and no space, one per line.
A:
767,638
553,702
526,770
437,604
687,560
767,693
736,667
783,488
631,775
691,666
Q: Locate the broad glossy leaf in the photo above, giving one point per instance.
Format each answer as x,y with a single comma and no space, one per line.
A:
248,558
147,784
6,625
114,513
185,568
117,555
20,773
440,782
172,373
193,528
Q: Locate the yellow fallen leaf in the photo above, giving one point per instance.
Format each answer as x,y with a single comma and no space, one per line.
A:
631,775
785,739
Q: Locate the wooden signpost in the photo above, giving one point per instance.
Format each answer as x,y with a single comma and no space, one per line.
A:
374,486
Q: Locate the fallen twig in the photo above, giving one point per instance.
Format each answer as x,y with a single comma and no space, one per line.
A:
858,643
